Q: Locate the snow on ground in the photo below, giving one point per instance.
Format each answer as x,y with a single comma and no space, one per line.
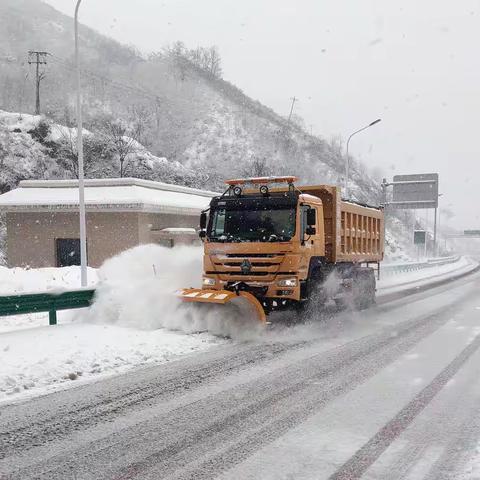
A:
138,289
24,280
19,121
471,470
46,359
397,281
21,281
136,320
25,122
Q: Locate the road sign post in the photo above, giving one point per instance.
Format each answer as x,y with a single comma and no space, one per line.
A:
414,192
420,239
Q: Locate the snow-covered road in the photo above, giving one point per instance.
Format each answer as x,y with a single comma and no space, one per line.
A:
388,393
131,325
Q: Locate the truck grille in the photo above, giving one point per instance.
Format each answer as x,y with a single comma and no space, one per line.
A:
228,267
254,255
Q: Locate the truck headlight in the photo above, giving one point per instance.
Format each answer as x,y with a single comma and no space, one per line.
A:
209,282
287,282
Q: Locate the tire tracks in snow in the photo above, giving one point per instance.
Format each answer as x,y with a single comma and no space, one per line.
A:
357,465
143,388
210,435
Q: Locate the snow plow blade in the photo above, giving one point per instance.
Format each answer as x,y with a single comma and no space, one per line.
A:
246,302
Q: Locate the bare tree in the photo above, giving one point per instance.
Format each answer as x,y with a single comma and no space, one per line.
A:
123,138
207,59
67,156
212,62
5,140
97,154
296,119
257,167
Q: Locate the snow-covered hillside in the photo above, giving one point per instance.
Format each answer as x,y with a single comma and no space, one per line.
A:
33,147
187,114
192,127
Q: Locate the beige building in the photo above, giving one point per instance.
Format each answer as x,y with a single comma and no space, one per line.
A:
43,223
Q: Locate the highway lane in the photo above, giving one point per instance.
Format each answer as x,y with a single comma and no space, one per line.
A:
386,393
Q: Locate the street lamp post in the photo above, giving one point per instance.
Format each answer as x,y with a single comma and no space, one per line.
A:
81,188
347,162
435,252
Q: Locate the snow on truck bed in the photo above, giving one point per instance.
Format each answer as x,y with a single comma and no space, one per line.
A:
135,320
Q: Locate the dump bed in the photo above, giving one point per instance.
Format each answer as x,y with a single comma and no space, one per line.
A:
353,233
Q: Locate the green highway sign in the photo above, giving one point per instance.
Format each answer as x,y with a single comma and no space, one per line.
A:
419,237
415,191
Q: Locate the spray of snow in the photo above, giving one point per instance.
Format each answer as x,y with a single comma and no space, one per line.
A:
138,289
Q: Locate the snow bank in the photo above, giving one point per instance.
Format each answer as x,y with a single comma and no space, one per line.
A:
45,359
425,275
22,280
138,289
121,331
26,280
19,121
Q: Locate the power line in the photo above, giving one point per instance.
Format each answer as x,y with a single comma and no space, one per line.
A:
115,83
37,58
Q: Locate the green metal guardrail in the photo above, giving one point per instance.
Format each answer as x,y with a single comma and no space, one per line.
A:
45,302
413,266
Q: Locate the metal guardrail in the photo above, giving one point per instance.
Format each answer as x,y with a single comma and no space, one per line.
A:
412,266
45,302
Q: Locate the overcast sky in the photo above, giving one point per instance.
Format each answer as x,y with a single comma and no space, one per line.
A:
414,63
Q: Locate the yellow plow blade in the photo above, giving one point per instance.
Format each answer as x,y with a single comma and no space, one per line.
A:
244,300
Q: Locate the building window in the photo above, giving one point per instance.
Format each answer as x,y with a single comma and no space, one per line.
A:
67,251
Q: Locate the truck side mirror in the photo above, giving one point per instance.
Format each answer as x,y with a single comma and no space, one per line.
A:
311,217
203,221
202,234
310,231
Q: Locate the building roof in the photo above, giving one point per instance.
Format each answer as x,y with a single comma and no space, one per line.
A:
112,194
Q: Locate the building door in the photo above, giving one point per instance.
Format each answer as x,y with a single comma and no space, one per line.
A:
68,251
165,242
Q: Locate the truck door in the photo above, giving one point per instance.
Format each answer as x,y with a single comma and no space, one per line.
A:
316,241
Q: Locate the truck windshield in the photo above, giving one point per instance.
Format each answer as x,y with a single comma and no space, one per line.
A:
252,223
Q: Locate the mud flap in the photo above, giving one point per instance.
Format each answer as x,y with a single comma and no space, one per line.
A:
244,301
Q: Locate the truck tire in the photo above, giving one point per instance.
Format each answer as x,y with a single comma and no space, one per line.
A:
315,297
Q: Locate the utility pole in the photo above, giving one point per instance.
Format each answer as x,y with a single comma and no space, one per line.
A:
37,59
291,108
81,185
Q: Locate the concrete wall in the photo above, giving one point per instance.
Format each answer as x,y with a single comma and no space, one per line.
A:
31,236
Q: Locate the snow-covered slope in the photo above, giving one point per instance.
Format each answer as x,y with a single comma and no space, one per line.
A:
33,147
197,129
189,115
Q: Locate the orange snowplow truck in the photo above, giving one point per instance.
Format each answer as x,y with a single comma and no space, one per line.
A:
270,245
